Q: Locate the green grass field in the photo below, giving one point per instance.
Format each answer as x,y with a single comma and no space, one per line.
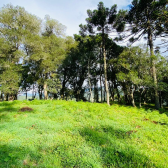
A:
78,134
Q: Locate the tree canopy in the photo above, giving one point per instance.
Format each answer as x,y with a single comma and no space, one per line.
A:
36,55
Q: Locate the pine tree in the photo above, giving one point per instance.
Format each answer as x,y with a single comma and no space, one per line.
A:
101,21
144,18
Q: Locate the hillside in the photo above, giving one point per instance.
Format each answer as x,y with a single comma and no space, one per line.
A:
80,134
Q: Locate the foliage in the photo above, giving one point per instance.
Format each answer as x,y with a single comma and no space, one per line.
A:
144,17
16,27
9,80
54,84
133,66
36,55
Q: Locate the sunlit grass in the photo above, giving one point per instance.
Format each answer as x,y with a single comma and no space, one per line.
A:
71,134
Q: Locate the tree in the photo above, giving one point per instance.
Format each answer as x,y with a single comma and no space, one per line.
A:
46,54
9,81
101,21
113,51
144,19
133,72
16,27
77,68
27,79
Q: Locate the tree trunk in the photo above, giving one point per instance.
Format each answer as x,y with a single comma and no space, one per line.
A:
125,90
55,96
101,92
90,86
45,91
1,96
89,97
97,97
33,92
150,42
105,70
141,91
104,92
40,92
145,96
63,90
132,96
111,92
26,94
105,75
140,97
15,96
118,95
160,95
140,101
95,91
7,97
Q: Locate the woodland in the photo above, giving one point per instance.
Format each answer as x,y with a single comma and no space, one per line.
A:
103,93
93,66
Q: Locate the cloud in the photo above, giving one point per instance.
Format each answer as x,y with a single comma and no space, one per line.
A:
71,13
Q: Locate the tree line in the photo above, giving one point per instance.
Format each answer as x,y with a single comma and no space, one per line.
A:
36,54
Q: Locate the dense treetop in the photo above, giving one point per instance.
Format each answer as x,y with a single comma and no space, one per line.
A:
36,55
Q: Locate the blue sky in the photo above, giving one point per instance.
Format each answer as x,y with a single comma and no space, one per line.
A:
70,13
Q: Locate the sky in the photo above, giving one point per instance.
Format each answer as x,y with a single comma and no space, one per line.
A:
70,13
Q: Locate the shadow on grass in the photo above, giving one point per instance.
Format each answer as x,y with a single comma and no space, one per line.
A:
5,109
8,107
12,156
151,107
105,147
113,150
146,107
6,103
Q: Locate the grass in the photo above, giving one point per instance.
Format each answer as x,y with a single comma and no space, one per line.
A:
77,134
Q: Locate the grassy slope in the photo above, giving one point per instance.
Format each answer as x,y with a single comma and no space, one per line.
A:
71,134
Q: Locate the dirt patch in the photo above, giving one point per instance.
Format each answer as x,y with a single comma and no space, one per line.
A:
138,126
26,109
155,122
146,119
131,131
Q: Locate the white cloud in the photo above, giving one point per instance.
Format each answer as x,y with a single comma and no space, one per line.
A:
71,13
